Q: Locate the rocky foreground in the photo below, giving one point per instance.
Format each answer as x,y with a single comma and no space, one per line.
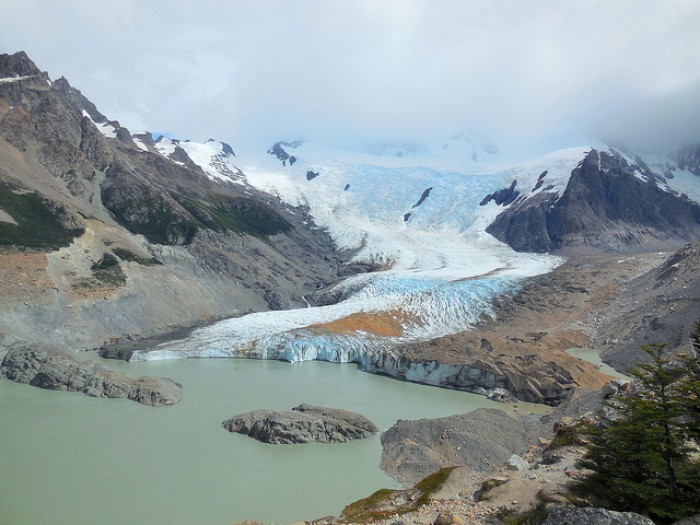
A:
476,486
56,370
302,424
482,440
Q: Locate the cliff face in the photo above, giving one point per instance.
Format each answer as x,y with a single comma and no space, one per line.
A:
608,205
75,186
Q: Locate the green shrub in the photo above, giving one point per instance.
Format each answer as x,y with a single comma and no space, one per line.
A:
381,504
235,214
151,216
39,224
640,460
105,271
129,256
487,486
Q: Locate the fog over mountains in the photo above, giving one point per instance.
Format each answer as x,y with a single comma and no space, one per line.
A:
354,74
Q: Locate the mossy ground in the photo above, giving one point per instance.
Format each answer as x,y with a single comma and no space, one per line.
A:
387,502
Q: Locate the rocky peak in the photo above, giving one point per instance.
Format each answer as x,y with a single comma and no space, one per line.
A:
609,205
228,150
277,150
17,65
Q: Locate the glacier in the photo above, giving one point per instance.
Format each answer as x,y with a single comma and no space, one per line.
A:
440,271
419,216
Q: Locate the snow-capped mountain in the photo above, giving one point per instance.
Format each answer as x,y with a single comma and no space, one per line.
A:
425,221
422,225
213,157
184,239
610,202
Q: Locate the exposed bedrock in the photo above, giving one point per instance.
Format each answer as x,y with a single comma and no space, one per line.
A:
302,424
607,206
55,370
594,516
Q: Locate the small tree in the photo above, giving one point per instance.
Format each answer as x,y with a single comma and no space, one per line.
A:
690,386
640,460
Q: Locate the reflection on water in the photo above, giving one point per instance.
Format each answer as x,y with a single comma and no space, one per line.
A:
68,458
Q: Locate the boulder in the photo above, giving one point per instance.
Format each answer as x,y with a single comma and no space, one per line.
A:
445,518
609,390
517,463
593,516
56,370
303,424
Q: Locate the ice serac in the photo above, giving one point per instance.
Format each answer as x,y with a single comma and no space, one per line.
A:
610,204
55,370
303,424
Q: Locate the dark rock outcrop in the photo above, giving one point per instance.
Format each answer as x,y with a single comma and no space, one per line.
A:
311,175
502,197
424,195
593,516
55,370
481,440
607,206
277,150
303,424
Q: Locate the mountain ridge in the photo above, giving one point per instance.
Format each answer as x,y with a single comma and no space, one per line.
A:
235,247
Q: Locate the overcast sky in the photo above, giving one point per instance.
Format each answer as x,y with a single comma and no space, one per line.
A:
252,72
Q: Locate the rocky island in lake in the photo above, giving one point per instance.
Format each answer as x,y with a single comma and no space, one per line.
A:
54,370
302,424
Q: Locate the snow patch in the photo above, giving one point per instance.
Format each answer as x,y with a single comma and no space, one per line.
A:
107,129
214,161
165,147
140,144
7,80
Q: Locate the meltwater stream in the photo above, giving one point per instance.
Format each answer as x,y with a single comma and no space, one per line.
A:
68,458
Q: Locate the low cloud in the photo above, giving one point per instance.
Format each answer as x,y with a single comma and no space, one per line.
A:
351,71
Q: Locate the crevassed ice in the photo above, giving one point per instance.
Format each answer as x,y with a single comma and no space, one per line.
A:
441,277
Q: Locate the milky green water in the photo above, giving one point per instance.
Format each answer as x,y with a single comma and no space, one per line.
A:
593,356
66,458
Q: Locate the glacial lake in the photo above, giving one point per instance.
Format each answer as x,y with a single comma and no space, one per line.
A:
69,458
